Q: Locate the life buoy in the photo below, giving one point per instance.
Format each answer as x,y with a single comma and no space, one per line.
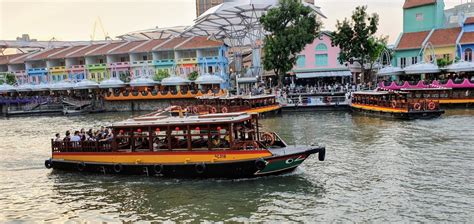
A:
48,164
195,110
81,166
431,105
200,168
224,110
213,110
260,164
268,139
417,106
329,99
158,168
394,104
118,167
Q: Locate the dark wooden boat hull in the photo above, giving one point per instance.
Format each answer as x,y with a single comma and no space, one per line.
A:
240,169
404,116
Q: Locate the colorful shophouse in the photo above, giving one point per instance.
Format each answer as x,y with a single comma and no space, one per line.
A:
319,63
467,40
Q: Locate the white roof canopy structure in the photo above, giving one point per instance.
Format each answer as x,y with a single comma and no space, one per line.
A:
208,79
462,66
5,88
422,68
389,70
174,81
86,84
111,83
142,81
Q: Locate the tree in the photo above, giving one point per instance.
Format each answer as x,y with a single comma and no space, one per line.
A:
291,26
9,79
357,41
160,75
193,75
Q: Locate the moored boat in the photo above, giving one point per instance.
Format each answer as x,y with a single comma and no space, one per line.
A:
227,145
395,104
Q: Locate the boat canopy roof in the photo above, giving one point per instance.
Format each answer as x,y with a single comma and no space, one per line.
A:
425,89
247,97
377,93
161,120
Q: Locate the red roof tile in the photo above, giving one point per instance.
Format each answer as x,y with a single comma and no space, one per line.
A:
200,42
416,3
83,51
412,40
42,55
172,43
125,49
105,49
19,58
467,38
63,54
5,59
147,47
445,37
469,20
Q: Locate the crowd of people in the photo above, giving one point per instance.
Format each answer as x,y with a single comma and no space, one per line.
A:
102,135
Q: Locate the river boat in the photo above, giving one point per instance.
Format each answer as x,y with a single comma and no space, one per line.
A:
316,101
261,104
394,104
230,145
449,93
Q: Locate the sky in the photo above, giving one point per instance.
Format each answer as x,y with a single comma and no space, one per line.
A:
74,19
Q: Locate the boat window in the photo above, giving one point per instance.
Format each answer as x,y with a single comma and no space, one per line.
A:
199,137
160,142
141,140
179,138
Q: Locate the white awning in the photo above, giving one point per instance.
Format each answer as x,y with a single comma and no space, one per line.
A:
308,75
247,80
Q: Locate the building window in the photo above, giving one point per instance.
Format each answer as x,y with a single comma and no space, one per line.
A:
419,17
468,54
322,60
81,62
403,62
414,60
321,47
145,58
122,59
446,56
101,61
300,61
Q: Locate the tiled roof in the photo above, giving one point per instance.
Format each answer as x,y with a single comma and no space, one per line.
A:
172,43
412,40
19,58
469,20
103,50
416,3
42,55
83,51
149,45
125,49
467,38
65,52
5,59
444,37
200,42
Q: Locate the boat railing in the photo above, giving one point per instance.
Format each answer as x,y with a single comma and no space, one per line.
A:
81,146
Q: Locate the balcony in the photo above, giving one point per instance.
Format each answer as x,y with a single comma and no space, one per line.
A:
142,63
97,66
164,62
57,69
37,71
76,68
187,61
20,73
209,60
124,64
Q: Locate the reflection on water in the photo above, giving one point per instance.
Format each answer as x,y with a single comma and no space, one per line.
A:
376,170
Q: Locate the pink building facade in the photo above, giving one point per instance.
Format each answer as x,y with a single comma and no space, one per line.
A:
319,61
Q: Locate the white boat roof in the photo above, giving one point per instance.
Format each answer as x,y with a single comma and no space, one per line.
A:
176,120
246,97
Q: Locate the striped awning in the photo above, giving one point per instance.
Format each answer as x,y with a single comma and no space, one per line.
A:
308,75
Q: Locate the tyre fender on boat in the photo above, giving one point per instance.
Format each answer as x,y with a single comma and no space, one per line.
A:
260,164
322,154
394,104
431,105
81,166
195,110
200,167
417,106
213,110
118,167
224,110
48,164
158,168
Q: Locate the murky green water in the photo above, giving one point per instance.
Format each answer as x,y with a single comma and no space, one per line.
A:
375,170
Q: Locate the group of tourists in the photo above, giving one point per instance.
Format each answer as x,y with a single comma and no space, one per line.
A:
102,135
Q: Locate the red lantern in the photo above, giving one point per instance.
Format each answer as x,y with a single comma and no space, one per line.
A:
139,130
121,131
157,129
197,129
177,129
218,128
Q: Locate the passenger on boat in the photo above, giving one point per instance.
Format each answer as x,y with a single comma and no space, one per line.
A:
68,136
76,137
58,138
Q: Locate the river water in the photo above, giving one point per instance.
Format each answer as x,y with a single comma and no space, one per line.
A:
376,170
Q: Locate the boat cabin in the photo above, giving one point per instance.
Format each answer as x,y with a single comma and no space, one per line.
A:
232,131
393,100
216,104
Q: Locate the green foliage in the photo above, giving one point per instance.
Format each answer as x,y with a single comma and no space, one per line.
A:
193,75
356,38
291,26
9,79
160,75
443,62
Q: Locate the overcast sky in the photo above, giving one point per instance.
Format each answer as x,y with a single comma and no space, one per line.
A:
74,19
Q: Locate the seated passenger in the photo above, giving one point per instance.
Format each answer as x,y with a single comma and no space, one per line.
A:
58,138
76,137
68,137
